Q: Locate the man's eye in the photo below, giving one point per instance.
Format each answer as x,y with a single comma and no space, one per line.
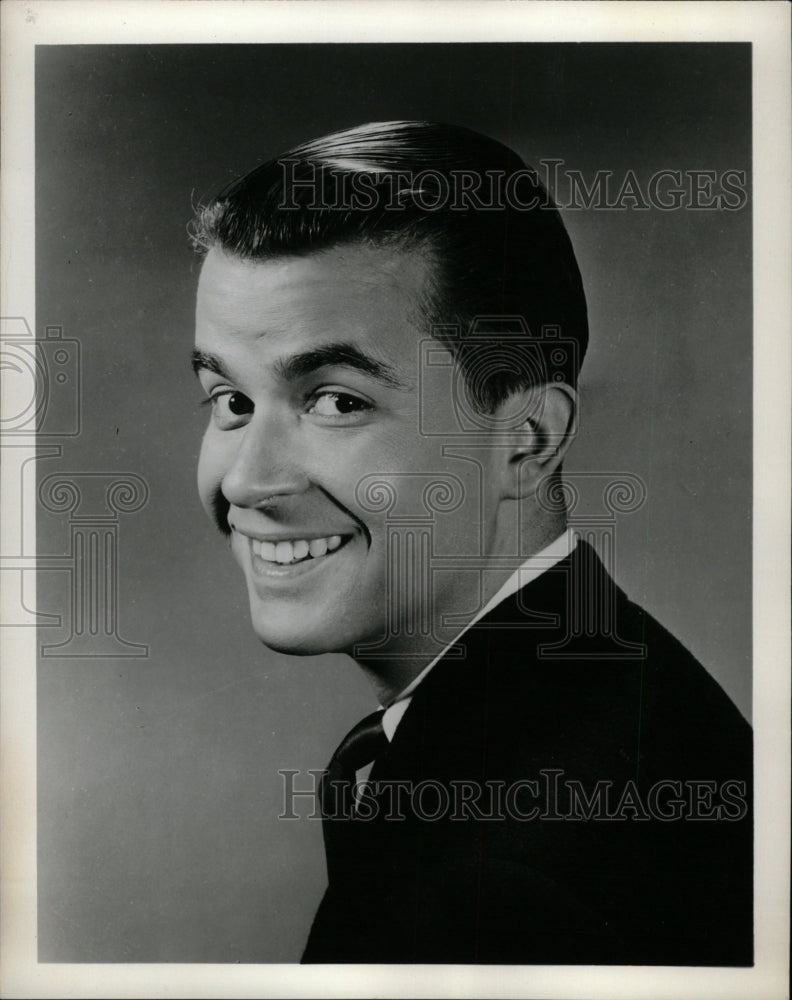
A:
227,407
336,404
239,404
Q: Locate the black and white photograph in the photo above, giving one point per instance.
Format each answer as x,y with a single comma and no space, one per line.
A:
395,447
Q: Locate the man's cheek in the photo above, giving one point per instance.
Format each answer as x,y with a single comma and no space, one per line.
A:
207,487
210,480
203,472
239,551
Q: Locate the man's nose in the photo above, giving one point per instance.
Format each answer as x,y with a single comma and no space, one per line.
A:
266,464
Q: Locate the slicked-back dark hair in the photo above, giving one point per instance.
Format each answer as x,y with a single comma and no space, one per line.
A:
506,293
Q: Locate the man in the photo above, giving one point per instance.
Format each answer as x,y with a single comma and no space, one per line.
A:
390,324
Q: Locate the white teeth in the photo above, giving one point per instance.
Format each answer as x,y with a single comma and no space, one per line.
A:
301,549
295,550
284,552
318,547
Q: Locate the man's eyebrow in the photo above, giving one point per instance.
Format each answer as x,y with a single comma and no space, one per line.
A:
340,355
203,361
306,362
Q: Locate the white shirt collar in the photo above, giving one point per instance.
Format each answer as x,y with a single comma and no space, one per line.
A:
533,567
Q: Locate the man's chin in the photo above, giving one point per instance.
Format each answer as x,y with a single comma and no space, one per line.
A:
295,647
311,628
305,642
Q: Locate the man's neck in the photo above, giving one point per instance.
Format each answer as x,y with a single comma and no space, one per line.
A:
400,657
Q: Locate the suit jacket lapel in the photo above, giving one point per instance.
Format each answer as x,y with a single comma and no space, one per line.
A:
446,723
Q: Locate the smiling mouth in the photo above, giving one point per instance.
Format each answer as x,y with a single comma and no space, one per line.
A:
289,552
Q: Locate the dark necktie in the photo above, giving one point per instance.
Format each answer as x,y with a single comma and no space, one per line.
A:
360,746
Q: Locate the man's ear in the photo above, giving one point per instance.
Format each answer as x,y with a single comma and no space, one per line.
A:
536,447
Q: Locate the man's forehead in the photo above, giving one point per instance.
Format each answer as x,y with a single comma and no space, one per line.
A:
355,266
350,306
370,295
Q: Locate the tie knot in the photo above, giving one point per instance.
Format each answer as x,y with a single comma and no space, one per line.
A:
362,744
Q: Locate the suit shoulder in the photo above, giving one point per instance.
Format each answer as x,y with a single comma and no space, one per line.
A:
683,705
622,690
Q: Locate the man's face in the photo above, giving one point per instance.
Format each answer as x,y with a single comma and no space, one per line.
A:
311,365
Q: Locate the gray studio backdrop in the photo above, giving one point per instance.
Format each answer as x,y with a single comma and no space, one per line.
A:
158,769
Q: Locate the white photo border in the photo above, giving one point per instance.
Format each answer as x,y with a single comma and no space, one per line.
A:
40,22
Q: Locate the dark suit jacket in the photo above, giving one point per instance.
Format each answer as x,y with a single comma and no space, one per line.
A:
567,682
